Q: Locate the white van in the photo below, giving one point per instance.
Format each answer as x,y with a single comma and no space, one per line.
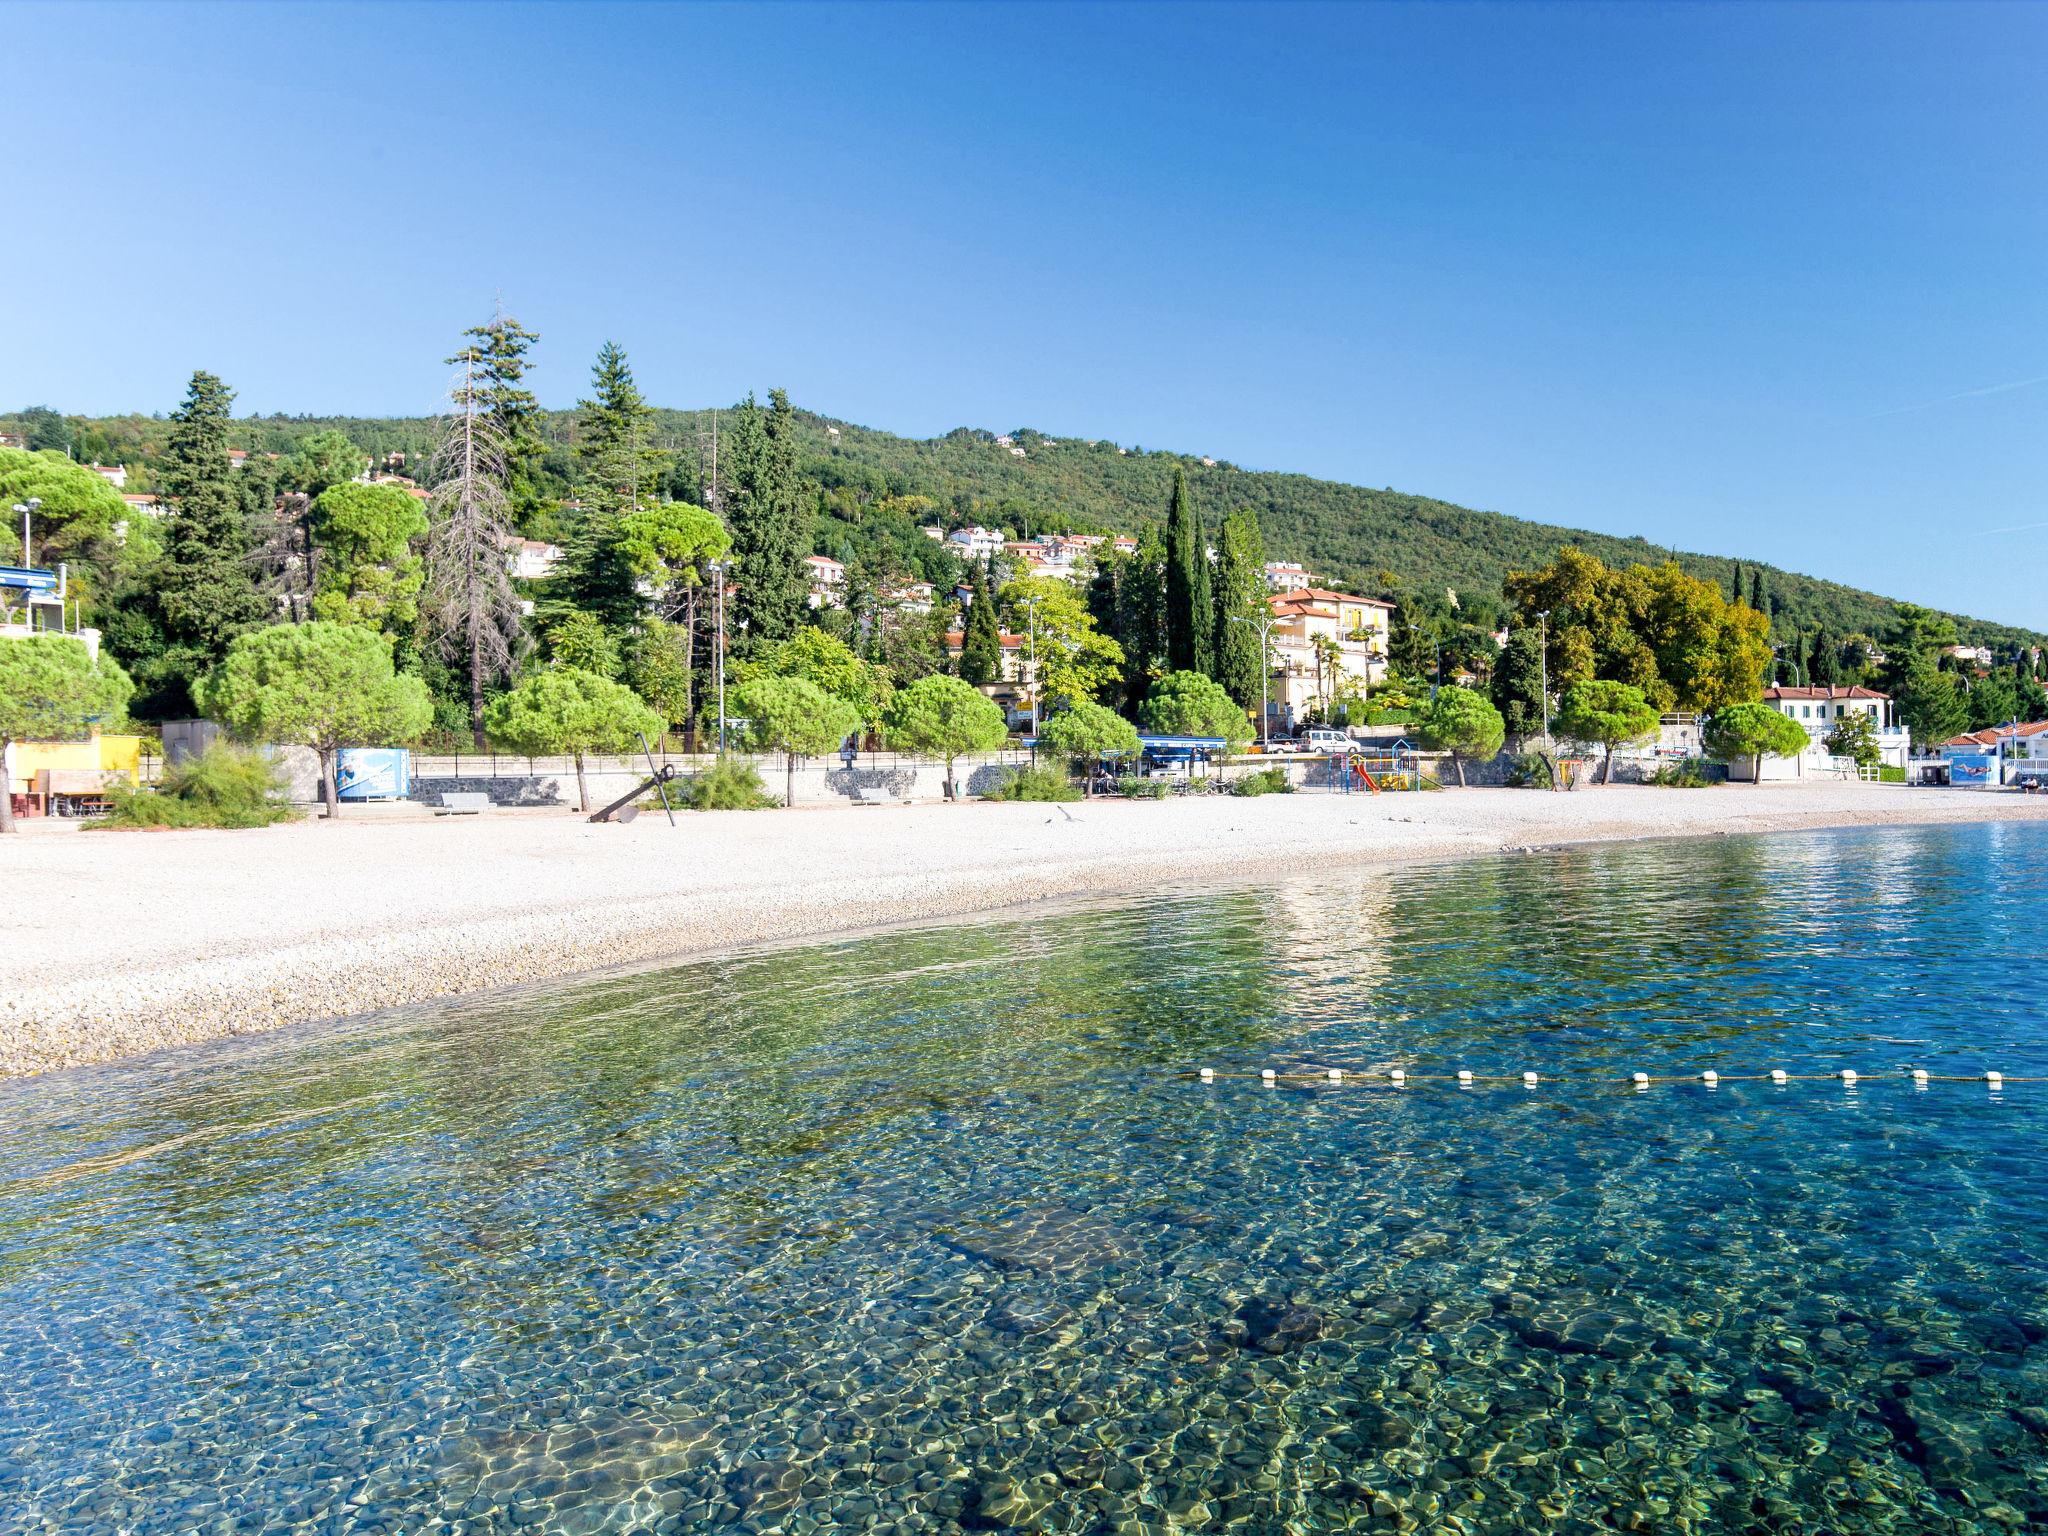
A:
1324,739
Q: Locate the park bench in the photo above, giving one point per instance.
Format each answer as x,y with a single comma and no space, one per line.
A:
463,802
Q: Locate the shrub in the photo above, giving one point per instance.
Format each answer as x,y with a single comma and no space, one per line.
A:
728,785
1267,781
1035,784
224,786
1133,787
1682,775
1529,770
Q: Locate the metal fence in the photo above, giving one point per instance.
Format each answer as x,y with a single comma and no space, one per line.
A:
503,765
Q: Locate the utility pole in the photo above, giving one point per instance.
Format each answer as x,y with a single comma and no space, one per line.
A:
718,643
1031,626
1265,623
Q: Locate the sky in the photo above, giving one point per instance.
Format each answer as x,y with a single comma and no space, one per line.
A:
1759,281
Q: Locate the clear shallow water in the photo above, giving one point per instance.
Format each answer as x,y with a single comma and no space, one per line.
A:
931,1231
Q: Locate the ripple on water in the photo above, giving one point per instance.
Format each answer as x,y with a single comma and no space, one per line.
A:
926,1232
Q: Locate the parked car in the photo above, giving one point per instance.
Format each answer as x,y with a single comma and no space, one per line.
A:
1323,740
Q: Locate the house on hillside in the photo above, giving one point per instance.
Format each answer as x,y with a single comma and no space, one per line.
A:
828,581
1013,688
530,559
976,543
1286,575
1322,646
115,475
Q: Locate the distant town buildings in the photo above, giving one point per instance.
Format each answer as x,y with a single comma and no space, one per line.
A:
115,475
976,543
1286,575
828,582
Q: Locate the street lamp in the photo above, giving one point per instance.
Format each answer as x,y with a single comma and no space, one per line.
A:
1031,626
718,568
26,508
1543,666
1265,623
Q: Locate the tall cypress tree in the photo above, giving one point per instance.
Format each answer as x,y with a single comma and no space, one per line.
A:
1735,582
1756,592
1822,657
1183,553
1203,613
1141,607
1517,686
1241,608
206,591
770,521
981,642
499,360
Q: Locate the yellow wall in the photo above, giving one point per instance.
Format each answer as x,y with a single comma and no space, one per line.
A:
118,752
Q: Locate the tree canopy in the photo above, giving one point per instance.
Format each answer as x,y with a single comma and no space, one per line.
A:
795,717
944,717
369,570
1190,704
1756,731
1464,723
1606,714
1075,660
829,664
560,711
51,689
318,685
1087,729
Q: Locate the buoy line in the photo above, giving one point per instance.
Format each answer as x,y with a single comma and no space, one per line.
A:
1400,1077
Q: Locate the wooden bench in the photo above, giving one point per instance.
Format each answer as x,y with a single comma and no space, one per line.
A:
463,802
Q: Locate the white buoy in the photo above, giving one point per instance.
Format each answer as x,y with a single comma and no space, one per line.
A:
1529,1079
1208,1074
1778,1075
1464,1077
1398,1077
1995,1079
1920,1077
1269,1076
1710,1077
1849,1075
1336,1074
1641,1079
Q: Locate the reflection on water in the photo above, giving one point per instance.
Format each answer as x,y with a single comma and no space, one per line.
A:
929,1231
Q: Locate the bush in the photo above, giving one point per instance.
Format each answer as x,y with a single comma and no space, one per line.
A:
1529,770
1035,784
1888,774
1681,775
1132,787
224,786
1267,781
728,785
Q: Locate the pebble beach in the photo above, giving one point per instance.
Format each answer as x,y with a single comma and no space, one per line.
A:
124,943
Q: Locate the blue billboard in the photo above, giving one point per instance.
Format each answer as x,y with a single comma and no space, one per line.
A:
28,578
373,773
1973,769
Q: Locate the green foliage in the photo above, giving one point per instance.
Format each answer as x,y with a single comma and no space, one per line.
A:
728,785
770,517
51,689
1517,685
75,523
498,351
224,786
1039,783
317,685
1264,781
566,710
1076,661
826,662
668,546
1187,624
1855,735
1134,787
1087,729
1241,607
795,717
1930,701
1673,636
204,593
944,717
658,669
1993,701
1531,770
1189,704
368,571
1464,723
1753,730
324,460
981,641
577,639
1680,775
1608,714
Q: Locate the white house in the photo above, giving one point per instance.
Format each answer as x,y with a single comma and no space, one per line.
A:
115,475
828,581
1819,711
530,559
1286,575
976,543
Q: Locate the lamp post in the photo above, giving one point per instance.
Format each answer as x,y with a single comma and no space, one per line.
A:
26,509
1031,628
1543,666
718,643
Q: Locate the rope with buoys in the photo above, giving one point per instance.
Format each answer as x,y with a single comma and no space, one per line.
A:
1400,1077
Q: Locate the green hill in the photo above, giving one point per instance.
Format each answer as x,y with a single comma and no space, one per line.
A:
1348,535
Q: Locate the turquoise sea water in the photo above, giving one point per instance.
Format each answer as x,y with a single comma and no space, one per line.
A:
934,1231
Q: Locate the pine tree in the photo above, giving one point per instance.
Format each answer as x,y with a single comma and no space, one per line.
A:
1241,608
206,592
1756,590
1823,657
981,642
498,355
620,471
1202,614
770,521
1183,552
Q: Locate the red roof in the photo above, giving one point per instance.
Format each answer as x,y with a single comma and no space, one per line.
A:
1324,595
1992,736
959,638
1776,691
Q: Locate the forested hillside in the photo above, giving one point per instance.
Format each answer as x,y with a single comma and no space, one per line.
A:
1384,542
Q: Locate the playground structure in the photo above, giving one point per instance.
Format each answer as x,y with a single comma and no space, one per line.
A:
1399,768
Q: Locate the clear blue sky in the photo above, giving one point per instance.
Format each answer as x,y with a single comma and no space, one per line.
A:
1761,281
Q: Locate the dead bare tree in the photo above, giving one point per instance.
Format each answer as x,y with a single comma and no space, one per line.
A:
470,605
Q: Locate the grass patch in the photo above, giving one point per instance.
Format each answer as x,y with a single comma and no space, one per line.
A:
224,786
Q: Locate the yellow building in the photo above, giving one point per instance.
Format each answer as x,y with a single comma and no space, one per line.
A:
1323,646
26,761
